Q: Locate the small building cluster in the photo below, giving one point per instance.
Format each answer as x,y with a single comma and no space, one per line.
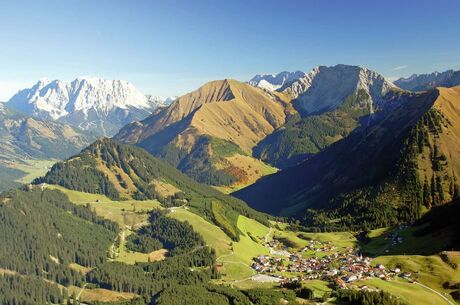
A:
342,267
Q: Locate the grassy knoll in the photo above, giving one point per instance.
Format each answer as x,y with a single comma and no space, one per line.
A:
410,293
237,265
247,248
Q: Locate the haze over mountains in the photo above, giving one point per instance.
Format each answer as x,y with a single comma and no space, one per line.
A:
88,103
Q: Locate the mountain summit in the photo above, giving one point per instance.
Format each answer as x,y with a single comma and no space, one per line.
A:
89,103
326,88
209,133
332,102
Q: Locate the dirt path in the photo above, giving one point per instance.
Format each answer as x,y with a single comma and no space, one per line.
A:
268,234
81,291
436,292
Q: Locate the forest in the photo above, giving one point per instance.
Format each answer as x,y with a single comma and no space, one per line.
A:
81,173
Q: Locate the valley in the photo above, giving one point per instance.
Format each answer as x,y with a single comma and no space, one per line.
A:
237,261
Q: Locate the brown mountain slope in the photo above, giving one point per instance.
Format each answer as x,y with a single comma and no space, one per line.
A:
379,175
201,131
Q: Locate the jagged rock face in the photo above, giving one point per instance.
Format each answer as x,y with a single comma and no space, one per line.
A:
273,82
102,106
326,88
422,82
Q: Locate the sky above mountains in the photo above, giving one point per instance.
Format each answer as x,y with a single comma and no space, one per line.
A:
171,47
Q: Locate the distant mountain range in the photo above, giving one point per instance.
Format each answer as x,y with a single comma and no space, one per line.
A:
217,133
88,103
421,82
275,81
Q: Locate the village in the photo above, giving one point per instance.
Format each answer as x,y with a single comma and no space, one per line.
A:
321,261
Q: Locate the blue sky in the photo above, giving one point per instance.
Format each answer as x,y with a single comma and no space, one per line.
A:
172,47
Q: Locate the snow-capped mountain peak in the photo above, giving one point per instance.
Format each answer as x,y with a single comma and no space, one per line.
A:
86,102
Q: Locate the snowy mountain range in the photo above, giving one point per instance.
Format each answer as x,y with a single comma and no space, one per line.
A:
273,82
421,82
98,105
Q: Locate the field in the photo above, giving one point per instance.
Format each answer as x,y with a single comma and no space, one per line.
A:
319,287
410,293
33,169
131,257
339,239
213,235
100,295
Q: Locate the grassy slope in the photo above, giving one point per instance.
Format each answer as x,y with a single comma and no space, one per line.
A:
412,294
122,212
213,235
235,256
